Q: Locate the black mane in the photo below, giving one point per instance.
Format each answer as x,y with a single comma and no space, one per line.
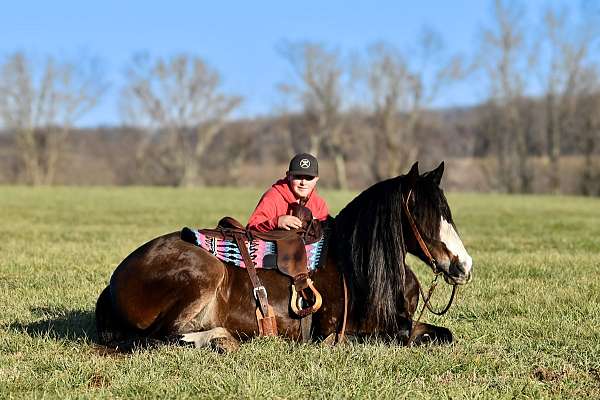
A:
369,242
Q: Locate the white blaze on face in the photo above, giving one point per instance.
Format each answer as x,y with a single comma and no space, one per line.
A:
452,241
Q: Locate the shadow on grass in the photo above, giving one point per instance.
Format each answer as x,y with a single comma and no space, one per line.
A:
59,324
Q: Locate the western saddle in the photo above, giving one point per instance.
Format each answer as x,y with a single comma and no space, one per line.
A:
291,261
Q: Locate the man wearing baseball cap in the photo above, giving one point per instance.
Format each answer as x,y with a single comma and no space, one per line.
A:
298,186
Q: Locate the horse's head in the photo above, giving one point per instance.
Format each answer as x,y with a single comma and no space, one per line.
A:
426,205
373,232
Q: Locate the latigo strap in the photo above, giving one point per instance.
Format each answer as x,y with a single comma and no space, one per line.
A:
265,316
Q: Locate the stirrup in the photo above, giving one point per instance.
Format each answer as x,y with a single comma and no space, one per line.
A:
303,312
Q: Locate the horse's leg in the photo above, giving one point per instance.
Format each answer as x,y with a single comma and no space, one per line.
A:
328,322
420,332
197,323
197,317
165,289
218,339
423,333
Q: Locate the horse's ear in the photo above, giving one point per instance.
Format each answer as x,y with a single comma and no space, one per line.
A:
437,173
413,174
414,170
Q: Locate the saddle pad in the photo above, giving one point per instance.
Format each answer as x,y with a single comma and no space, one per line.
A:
262,252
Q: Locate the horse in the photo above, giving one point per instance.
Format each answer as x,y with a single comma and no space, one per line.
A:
171,291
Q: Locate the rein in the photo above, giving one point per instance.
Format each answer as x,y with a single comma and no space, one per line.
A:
432,263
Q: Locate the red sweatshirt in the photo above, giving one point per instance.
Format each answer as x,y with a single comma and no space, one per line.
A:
275,202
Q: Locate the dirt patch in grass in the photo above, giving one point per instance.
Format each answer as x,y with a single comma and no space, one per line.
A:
595,374
543,374
98,381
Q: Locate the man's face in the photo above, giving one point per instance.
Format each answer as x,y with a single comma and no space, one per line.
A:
302,185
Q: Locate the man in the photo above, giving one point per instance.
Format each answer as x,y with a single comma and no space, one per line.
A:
298,186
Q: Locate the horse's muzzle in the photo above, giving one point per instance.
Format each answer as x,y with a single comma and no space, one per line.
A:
459,272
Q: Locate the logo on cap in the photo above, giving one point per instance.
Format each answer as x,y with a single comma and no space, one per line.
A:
304,163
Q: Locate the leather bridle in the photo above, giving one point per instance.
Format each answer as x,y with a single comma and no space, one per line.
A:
432,263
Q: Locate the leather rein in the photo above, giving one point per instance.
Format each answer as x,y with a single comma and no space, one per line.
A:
432,263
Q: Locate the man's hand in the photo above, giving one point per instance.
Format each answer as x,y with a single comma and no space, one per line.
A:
288,222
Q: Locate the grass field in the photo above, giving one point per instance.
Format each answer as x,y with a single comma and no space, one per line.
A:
528,326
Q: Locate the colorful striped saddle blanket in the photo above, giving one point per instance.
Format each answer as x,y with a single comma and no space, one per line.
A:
262,252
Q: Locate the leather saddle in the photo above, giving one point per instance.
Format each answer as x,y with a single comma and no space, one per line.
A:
291,261
291,250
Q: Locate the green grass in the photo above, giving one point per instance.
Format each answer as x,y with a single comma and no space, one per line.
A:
526,327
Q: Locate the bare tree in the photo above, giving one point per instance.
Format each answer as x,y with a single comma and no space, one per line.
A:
320,92
180,100
569,49
587,126
401,86
237,152
505,57
40,106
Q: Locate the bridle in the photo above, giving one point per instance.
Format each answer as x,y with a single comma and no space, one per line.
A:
432,263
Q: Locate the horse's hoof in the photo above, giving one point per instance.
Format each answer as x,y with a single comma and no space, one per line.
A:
439,337
445,336
329,340
224,345
423,340
179,341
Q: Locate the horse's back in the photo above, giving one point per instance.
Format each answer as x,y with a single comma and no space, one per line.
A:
154,287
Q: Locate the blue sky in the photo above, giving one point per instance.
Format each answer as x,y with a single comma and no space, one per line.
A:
238,39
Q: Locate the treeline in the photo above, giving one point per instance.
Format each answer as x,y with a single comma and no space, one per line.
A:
367,117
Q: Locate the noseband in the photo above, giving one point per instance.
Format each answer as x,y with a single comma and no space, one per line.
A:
432,263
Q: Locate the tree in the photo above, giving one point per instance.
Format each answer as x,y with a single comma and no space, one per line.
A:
320,92
401,86
40,105
179,99
569,49
505,58
587,122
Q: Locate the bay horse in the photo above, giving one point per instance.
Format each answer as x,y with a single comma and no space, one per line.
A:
169,290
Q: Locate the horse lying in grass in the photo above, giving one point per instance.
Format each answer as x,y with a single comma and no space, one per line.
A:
169,289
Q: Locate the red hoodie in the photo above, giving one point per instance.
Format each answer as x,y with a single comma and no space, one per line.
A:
275,202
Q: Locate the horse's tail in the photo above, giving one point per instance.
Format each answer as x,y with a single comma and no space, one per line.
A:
114,333
108,327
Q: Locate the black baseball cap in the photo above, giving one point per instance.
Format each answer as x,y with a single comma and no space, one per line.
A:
304,164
